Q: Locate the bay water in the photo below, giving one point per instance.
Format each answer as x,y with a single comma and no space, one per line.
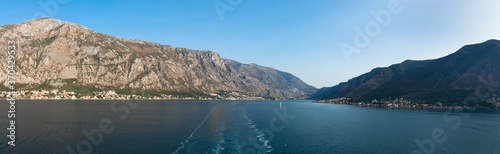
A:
295,126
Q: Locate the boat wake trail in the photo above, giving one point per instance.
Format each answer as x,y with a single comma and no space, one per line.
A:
226,129
194,131
263,146
219,141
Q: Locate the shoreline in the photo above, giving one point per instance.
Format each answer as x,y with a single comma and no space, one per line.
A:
56,94
154,100
441,108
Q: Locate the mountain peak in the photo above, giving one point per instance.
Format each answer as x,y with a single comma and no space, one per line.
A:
479,47
41,27
492,41
41,19
44,18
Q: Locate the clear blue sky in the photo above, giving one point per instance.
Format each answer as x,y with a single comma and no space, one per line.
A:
300,37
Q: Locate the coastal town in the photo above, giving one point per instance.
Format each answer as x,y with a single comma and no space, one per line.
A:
401,103
57,94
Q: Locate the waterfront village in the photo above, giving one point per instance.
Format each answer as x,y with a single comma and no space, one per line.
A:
112,95
401,103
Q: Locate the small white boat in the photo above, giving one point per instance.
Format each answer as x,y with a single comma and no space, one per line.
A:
280,105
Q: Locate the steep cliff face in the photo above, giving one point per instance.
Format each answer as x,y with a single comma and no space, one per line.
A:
50,49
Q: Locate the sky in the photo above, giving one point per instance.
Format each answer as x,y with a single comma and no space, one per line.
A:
322,42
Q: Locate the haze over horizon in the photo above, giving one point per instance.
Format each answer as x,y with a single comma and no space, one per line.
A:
301,38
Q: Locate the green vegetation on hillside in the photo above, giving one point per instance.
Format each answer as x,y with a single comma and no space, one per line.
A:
75,86
4,88
150,93
81,89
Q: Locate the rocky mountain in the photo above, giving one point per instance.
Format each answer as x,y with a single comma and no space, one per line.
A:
50,50
447,79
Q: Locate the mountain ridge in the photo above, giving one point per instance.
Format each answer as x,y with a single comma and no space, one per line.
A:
52,50
455,75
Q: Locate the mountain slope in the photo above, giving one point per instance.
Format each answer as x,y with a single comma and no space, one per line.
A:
369,81
457,75
52,50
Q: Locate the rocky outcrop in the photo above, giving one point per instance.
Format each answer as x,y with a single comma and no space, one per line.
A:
50,49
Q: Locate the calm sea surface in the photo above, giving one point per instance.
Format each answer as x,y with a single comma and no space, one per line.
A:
242,127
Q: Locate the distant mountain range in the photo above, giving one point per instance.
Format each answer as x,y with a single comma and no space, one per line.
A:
54,53
473,69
